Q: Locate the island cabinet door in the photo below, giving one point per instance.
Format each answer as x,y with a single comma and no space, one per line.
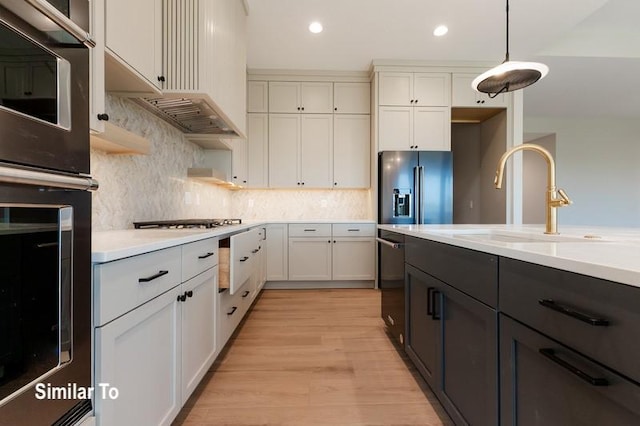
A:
545,383
423,327
468,388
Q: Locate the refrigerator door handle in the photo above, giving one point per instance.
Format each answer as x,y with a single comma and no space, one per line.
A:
419,196
416,195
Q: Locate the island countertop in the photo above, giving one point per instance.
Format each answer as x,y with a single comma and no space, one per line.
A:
609,253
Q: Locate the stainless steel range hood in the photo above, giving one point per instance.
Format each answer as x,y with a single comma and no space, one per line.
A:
192,113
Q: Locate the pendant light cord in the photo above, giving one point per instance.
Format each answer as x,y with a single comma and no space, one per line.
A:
506,59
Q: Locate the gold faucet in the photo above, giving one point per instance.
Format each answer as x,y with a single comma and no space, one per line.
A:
552,202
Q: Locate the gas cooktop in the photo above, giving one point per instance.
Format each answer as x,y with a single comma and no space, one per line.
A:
186,223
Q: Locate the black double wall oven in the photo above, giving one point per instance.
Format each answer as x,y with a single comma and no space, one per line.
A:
45,213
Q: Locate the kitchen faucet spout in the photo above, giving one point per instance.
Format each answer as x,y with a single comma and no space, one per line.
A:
552,201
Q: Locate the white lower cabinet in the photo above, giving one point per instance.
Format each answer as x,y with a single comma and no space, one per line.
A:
156,344
331,252
199,319
353,258
310,259
140,355
277,254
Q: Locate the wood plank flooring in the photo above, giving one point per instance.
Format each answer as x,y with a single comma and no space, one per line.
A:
313,357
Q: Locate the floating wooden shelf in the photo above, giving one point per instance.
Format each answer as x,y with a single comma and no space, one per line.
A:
116,140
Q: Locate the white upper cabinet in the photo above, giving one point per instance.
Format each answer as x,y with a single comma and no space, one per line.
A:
257,150
351,98
351,150
284,136
295,97
133,45
257,96
463,94
239,162
414,128
316,151
414,89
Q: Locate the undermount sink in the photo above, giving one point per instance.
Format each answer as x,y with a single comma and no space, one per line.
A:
522,237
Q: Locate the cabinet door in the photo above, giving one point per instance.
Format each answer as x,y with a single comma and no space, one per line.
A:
239,162
423,324
316,151
351,98
463,94
432,128
257,150
284,97
257,96
310,259
277,253
469,382
284,135
395,129
139,353
396,88
317,98
431,89
141,47
351,151
353,258
96,66
199,316
545,383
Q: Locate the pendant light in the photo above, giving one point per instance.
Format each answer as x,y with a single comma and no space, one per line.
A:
509,75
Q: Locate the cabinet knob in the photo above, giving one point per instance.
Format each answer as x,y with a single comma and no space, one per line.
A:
298,108
189,293
303,108
303,183
482,101
28,93
411,101
329,241
335,183
161,78
244,181
478,101
416,101
335,109
235,177
298,183
103,117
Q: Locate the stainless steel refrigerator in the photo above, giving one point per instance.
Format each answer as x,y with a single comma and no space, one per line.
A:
415,187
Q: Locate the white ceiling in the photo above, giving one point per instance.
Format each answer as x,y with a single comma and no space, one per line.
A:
582,41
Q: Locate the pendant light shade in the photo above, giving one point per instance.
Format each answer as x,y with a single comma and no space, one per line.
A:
509,75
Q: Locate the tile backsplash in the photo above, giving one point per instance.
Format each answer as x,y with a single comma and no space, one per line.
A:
155,186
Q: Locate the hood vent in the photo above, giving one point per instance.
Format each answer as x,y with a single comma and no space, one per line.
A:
192,115
194,95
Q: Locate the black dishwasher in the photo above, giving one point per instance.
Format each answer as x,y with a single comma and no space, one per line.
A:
391,282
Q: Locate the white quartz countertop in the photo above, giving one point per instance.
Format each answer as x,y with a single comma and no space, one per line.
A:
608,253
107,246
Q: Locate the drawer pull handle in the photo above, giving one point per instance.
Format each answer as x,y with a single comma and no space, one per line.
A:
233,309
152,277
246,293
204,256
309,230
255,251
353,230
594,381
244,259
548,303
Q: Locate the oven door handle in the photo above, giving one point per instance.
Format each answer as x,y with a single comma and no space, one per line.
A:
38,178
63,22
65,283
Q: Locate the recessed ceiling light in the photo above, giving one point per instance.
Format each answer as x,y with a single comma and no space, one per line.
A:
315,27
440,30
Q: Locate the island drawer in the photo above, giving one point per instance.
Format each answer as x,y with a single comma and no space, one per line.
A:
125,284
310,230
199,256
472,272
596,317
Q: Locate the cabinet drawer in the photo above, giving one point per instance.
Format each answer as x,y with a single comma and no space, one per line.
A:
125,284
310,230
244,247
566,306
469,271
232,309
354,230
198,257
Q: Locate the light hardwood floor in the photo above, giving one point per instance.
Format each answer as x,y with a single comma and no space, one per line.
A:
313,357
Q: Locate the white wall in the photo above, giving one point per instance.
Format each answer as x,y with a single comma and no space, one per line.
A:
598,165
